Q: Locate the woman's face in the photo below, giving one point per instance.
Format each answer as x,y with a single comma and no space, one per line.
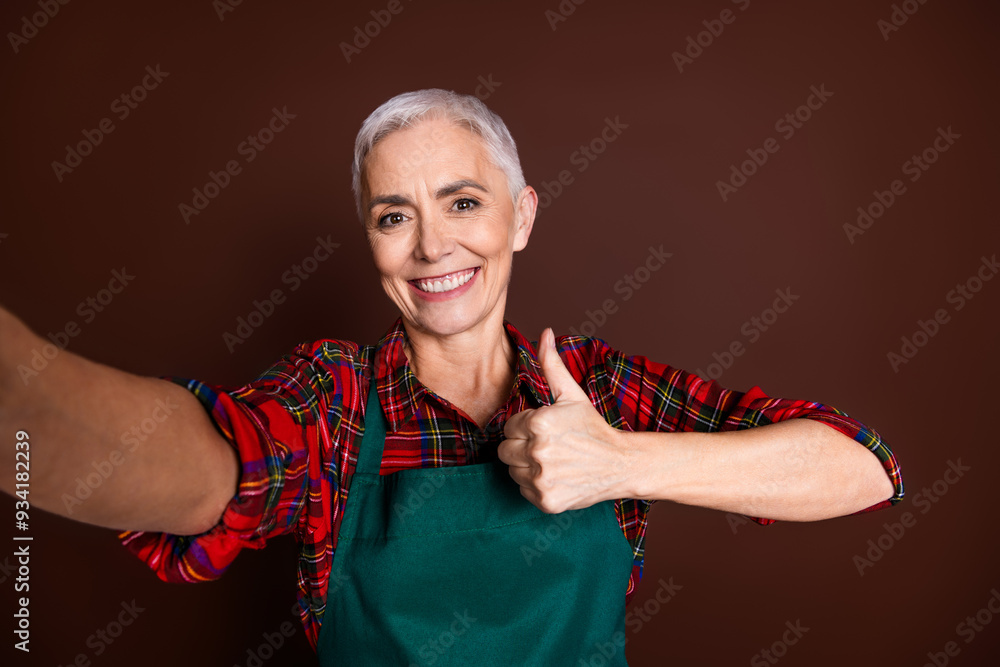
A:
442,227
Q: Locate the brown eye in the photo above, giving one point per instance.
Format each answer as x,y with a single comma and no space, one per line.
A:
390,219
466,204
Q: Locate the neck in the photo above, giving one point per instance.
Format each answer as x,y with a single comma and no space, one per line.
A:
476,360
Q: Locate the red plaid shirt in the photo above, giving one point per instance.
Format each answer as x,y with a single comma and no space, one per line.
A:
296,430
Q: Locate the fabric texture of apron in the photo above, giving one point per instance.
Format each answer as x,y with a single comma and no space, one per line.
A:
453,566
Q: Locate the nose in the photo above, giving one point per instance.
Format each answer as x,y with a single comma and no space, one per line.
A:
434,238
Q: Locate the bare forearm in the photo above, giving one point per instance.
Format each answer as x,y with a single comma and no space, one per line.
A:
797,470
108,447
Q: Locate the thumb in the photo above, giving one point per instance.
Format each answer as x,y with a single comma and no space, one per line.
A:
558,377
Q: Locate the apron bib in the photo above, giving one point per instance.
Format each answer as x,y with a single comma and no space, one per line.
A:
453,566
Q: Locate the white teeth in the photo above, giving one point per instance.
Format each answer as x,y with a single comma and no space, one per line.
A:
448,284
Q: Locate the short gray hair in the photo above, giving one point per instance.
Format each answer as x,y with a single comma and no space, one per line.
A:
406,109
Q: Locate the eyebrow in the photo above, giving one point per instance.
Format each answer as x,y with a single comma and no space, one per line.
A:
443,191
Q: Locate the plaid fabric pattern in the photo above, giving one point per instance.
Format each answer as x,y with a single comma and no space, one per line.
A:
296,429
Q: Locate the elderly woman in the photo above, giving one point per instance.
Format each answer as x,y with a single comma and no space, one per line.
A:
461,495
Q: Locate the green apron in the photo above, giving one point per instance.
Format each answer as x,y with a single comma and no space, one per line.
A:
453,566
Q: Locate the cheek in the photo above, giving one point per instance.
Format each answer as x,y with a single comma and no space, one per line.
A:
496,240
386,256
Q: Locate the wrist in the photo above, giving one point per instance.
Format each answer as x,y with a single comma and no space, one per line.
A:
665,465
639,468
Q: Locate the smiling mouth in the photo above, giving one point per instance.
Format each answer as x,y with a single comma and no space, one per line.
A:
444,283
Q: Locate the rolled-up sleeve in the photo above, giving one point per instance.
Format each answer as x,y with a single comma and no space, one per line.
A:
656,397
272,425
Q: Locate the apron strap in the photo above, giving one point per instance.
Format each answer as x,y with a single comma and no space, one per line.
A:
373,440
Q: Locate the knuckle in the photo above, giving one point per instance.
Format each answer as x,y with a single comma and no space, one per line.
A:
541,452
541,420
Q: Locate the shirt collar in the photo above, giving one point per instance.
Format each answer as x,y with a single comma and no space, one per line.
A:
400,392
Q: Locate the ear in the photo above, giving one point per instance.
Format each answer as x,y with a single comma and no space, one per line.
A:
524,214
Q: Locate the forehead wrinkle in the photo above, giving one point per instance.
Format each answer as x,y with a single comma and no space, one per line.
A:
469,155
398,200
455,186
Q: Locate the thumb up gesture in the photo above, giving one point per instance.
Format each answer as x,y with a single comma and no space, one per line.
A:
564,456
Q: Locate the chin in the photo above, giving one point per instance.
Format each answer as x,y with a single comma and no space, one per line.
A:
446,324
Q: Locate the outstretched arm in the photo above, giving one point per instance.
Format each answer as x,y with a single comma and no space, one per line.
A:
154,458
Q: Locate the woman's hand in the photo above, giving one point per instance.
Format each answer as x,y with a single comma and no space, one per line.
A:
564,456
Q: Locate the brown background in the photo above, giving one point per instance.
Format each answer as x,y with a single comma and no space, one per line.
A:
654,185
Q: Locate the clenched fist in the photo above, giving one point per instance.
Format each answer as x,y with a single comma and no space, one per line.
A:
564,456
